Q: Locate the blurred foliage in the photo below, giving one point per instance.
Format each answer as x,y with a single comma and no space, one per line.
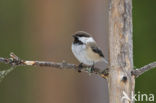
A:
11,35
144,36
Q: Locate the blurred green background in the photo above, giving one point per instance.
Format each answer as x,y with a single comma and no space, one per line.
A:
144,41
41,30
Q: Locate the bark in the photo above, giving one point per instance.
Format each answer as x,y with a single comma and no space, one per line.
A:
120,80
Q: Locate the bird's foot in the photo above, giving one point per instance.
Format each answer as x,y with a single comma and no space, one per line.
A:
92,69
80,67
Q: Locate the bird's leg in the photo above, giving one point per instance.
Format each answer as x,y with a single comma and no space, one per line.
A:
92,68
80,67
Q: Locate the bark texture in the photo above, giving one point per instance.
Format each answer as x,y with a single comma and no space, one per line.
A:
120,80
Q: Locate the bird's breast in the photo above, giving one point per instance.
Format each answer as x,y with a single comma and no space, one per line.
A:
84,54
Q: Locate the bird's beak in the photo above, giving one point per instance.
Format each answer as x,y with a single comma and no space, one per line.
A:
73,36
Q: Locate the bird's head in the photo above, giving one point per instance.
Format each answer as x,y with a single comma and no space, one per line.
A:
82,37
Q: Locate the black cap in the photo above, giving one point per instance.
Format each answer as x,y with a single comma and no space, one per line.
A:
81,34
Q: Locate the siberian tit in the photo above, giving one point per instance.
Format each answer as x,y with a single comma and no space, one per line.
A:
85,50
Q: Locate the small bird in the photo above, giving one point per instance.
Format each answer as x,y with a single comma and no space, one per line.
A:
85,49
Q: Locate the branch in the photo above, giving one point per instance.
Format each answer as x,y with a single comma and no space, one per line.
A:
4,73
16,61
143,69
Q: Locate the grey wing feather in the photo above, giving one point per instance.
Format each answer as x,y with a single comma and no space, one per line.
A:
97,50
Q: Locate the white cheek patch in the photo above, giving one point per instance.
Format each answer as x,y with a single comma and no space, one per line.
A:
90,39
86,39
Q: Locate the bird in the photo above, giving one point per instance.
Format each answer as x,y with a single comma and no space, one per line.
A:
86,51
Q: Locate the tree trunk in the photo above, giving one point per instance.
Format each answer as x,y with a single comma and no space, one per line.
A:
120,80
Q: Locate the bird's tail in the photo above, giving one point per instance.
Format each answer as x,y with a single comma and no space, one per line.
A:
105,60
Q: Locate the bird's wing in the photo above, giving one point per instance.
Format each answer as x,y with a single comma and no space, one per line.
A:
96,49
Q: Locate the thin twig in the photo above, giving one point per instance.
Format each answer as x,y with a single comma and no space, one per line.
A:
16,61
143,69
4,73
